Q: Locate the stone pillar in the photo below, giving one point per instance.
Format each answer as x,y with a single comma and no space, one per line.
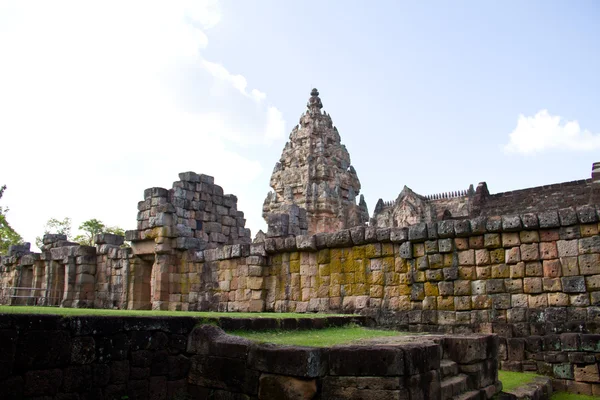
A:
160,281
70,282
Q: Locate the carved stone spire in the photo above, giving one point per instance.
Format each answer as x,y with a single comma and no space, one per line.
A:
315,174
314,103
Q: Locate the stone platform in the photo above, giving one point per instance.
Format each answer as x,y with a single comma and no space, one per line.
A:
54,357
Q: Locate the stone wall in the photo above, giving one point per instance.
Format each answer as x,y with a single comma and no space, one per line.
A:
193,214
411,208
112,358
571,359
529,277
548,197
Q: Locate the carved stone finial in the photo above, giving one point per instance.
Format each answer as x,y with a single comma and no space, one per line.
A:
314,103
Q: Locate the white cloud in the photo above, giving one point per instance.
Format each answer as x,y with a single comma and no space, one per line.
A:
544,131
275,128
258,95
236,80
88,120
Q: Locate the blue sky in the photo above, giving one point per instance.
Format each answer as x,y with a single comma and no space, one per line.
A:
102,100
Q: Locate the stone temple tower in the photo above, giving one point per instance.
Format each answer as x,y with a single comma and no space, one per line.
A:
314,182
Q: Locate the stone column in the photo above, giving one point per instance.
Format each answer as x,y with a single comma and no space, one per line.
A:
70,282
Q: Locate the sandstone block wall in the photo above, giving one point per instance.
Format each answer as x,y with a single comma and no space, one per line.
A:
520,276
548,197
411,208
64,274
170,358
193,214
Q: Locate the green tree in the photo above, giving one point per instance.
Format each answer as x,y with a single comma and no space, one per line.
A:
8,236
55,226
91,228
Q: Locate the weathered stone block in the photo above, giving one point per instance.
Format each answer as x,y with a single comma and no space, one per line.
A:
532,285
339,239
567,216
589,245
295,361
579,300
445,245
569,232
43,382
563,371
445,229
469,349
356,388
366,361
83,350
417,232
529,236
286,387
476,242
530,252
223,373
358,235
530,221
510,239
548,219
586,373
511,223
466,257
551,284
590,342
548,250
587,214
462,228
406,250
398,235
573,284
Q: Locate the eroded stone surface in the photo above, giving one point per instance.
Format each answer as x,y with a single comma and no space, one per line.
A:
315,174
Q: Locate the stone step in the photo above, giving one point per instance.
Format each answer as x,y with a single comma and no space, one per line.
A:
448,368
453,386
472,395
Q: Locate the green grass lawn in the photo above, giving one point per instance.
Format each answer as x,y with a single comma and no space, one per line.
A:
511,380
316,338
152,313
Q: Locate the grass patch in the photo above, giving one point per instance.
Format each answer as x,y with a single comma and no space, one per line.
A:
511,380
571,396
317,337
152,313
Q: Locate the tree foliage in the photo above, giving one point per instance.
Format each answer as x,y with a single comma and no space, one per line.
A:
55,226
91,228
8,236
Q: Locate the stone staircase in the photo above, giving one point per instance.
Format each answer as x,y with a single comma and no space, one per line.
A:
454,385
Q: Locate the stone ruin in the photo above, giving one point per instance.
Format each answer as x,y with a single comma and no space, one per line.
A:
194,214
523,264
315,186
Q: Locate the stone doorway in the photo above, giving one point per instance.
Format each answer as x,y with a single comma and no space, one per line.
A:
56,287
24,293
139,285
